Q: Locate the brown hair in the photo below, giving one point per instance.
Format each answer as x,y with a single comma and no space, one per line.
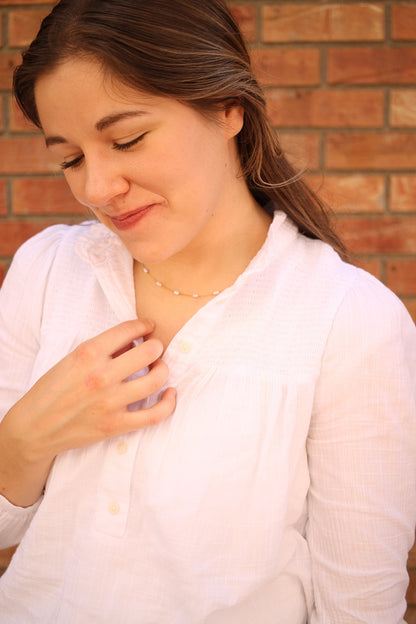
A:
189,50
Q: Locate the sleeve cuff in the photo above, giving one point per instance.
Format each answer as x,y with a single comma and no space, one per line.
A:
14,521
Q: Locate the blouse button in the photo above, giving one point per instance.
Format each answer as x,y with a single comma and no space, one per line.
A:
121,447
184,347
114,508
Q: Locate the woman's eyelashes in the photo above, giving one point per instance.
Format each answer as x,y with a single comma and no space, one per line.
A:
119,147
72,163
125,146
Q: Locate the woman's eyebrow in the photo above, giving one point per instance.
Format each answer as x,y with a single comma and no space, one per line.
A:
101,125
54,140
115,117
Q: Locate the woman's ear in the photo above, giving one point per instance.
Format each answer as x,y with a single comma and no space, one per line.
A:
233,117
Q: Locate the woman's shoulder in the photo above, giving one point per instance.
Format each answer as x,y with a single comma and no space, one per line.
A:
52,239
55,251
372,312
342,296
361,293
86,244
317,273
365,311
327,273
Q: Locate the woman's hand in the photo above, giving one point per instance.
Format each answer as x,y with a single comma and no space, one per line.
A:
80,401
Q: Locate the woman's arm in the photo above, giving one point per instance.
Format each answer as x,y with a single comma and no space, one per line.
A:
362,458
20,319
81,400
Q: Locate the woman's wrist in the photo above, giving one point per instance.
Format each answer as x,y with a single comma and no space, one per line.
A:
21,479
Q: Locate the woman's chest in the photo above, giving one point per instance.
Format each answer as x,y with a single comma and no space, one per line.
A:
169,313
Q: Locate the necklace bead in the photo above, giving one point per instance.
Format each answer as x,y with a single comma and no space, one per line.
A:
178,293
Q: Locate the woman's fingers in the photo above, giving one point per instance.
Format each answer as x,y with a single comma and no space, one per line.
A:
105,388
84,398
142,387
110,415
135,359
102,377
112,341
110,357
152,415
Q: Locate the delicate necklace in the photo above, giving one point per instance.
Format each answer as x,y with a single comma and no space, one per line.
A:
178,292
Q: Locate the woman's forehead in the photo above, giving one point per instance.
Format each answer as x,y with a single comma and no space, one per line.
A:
83,76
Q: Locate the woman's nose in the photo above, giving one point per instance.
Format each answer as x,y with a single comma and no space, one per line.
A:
103,184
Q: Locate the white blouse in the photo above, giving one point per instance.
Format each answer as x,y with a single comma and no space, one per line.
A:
282,489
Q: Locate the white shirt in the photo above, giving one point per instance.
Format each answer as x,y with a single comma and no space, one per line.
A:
283,486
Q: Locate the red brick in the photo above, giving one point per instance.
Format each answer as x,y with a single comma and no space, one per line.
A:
3,197
323,22
371,265
25,155
411,563
18,122
23,25
284,67
3,269
372,151
44,196
372,65
8,62
380,235
410,616
14,233
351,193
411,307
404,21
246,18
403,193
403,108
302,149
326,108
1,114
401,276
411,592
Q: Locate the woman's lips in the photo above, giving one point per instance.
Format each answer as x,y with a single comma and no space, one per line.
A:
130,219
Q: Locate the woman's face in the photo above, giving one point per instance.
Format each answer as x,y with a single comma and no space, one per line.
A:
156,172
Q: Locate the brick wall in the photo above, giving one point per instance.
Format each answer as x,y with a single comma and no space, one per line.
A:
341,88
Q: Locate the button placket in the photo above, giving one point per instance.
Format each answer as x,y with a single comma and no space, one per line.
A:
113,497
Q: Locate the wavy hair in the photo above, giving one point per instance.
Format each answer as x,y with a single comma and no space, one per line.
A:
188,50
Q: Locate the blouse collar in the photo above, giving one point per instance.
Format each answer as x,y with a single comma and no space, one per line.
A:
105,252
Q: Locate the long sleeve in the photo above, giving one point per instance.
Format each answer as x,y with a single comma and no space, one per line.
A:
21,299
362,459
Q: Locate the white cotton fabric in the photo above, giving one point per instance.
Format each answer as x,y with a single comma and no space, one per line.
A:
282,490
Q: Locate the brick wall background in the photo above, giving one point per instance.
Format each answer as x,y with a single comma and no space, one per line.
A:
340,79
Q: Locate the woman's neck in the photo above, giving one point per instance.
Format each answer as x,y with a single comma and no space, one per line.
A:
215,260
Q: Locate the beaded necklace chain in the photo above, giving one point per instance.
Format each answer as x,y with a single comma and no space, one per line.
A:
178,293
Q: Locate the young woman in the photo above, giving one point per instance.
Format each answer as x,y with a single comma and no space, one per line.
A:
209,416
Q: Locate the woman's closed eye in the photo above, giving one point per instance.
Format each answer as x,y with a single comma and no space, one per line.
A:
120,147
125,146
75,162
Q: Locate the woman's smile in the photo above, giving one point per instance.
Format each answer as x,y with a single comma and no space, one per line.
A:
128,220
161,175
